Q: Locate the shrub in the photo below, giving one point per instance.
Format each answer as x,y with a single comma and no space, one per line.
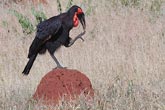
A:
69,4
25,23
39,15
156,6
59,6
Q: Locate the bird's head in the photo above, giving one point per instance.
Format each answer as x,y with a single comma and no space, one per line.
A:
78,15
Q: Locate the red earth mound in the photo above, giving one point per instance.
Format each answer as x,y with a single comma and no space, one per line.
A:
63,83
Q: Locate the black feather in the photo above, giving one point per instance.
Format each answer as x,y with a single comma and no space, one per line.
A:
50,35
29,65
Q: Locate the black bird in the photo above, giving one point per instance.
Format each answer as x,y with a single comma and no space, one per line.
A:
54,32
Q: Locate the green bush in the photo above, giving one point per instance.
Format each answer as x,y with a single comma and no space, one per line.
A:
156,6
69,4
59,6
130,2
39,15
25,23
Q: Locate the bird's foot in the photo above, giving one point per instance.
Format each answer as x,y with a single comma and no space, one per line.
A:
80,37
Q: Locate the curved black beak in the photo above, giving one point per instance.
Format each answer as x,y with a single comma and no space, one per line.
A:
81,17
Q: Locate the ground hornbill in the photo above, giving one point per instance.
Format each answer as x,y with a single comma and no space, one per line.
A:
54,32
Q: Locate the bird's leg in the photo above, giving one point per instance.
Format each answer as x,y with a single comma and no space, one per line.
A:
52,47
78,37
57,62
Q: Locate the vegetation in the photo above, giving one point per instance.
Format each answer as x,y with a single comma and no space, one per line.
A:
69,4
156,6
27,26
123,54
39,15
130,2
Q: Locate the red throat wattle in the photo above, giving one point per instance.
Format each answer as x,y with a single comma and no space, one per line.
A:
75,20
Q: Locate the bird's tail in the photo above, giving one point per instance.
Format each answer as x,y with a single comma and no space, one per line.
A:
29,65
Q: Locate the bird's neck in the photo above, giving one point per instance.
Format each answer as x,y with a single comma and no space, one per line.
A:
67,20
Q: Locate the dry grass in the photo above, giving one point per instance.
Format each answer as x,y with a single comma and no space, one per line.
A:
123,55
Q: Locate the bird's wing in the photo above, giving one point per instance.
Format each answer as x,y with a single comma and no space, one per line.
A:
47,28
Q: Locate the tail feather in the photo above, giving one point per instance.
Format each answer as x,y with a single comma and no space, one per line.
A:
35,47
29,65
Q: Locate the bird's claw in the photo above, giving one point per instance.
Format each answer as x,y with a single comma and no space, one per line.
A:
80,37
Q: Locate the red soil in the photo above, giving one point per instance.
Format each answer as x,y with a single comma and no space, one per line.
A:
63,83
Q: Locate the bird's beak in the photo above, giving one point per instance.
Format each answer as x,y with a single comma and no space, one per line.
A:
81,17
